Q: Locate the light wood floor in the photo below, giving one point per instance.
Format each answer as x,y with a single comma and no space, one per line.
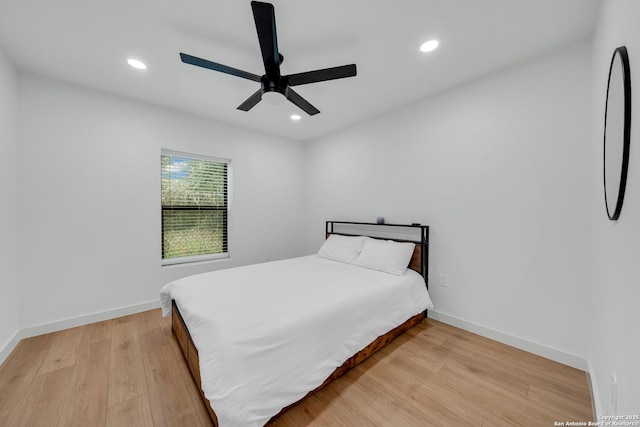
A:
129,372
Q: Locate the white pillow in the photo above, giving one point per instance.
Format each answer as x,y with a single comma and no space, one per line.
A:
342,248
386,255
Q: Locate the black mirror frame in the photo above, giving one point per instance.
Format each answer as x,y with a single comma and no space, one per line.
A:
626,76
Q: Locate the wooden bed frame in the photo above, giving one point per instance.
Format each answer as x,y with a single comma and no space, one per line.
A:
419,263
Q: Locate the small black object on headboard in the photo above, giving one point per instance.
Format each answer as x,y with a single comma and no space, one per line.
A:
422,240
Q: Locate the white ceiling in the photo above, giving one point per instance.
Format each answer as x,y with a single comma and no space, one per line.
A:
88,42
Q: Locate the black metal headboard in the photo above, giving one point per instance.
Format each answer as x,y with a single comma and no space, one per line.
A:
414,233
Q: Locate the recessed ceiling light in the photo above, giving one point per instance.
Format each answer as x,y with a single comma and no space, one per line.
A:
137,64
429,45
295,117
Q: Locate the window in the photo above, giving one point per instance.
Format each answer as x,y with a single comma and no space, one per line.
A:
195,205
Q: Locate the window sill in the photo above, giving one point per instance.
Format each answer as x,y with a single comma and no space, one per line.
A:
194,259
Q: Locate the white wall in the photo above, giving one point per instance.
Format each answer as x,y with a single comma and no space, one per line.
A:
8,202
614,326
500,170
89,203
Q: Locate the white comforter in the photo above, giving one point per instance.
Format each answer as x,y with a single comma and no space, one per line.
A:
269,333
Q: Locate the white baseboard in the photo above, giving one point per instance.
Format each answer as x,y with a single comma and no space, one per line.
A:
9,346
530,346
59,325
595,392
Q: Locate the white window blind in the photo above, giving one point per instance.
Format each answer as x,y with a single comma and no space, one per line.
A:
195,196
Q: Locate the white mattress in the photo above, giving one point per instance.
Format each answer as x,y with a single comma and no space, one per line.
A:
267,334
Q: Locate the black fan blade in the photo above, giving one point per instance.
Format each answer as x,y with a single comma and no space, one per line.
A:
322,75
301,102
265,19
199,62
251,101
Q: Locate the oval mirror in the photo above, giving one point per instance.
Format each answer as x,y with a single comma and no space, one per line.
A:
617,132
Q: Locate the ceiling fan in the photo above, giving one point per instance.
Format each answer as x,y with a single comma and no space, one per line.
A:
272,80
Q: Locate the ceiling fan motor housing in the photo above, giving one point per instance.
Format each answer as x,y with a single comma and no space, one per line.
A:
274,85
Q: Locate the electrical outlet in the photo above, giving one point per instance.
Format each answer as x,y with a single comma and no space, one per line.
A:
614,393
444,280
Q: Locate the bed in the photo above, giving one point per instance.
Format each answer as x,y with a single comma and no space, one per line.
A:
258,339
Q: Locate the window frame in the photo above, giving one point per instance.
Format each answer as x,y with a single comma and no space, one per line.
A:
226,213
